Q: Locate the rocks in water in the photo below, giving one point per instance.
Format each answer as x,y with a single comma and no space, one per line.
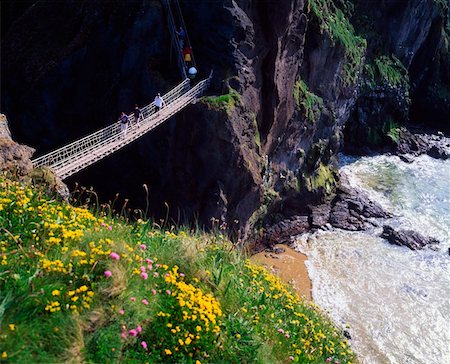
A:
406,158
409,238
437,152
319,215
351,209
436,146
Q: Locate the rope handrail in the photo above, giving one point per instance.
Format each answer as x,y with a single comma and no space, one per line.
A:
71,158
52,157
175,39
183,25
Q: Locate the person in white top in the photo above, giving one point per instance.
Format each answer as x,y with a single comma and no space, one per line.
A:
159,102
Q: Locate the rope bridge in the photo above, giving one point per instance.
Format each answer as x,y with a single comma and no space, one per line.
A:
75,156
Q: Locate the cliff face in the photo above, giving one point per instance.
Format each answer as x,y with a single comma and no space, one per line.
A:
287,76
407,74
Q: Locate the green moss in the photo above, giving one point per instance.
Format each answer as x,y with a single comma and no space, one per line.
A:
43,176
323,178
334,22
387,70
257,133
391,129
227,101
378,135
311,104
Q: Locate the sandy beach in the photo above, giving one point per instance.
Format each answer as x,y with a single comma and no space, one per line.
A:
289,266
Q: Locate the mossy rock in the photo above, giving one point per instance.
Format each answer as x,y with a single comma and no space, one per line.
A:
46,177
385,70
224,102
310,103
338,27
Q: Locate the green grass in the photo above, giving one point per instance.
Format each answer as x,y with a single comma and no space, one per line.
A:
334,22
72,289
311,104
227,101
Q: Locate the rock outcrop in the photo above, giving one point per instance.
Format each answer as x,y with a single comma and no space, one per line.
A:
407,73
15,159
350,209
409,238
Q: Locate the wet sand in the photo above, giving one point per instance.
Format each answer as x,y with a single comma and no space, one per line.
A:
289,266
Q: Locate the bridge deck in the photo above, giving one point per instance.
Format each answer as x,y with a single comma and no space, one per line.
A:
75,156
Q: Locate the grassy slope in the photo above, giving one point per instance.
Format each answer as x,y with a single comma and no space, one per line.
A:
81,287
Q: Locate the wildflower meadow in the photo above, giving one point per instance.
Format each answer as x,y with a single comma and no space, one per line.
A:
79,286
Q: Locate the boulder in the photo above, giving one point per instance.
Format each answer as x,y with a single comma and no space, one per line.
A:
409,238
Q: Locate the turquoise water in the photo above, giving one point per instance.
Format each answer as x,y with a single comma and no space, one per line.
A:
396,301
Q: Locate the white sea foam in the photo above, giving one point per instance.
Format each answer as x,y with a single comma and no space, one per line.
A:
397,301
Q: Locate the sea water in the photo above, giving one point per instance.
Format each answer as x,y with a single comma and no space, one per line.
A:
395,301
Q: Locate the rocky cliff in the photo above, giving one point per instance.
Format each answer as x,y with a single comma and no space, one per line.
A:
288,76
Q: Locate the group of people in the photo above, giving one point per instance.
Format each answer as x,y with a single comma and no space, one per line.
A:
137,113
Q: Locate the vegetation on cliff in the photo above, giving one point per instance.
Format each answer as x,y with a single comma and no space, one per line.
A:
311,104
338,27
387,70
226,101
81,286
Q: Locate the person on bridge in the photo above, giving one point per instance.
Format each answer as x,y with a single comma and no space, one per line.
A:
181,35
124,121
159,102
137,114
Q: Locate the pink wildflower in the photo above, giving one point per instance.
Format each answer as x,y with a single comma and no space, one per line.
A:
133,299
139,329
144,301
281,331
143,269
328,360
168,291
182,275
291,358
144,344
157,265
156,274
287,336
143,246
336,361
167,275
121,312
108,273
154,291
133,332
150,267
149,261
123,335
109,227
102,224
144,275
114,256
